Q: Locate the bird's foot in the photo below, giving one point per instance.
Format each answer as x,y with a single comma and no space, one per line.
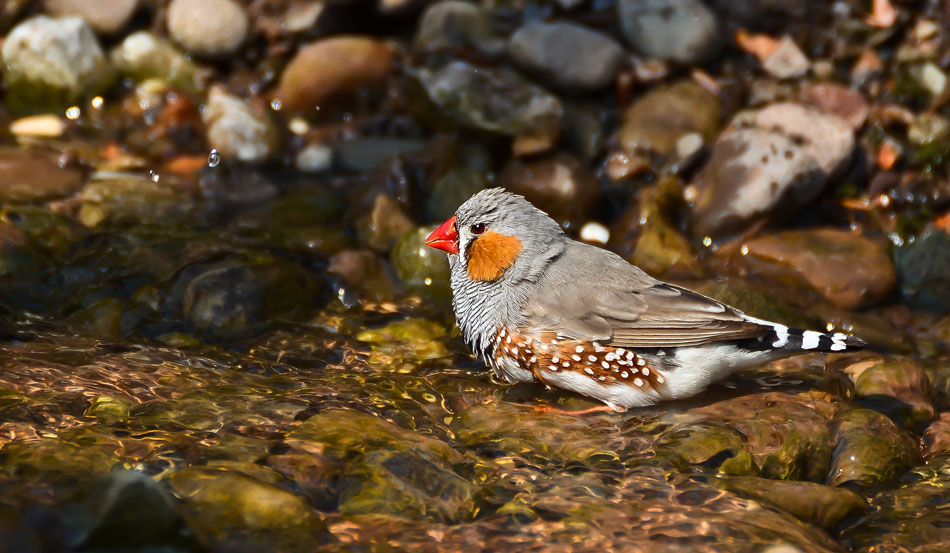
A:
538,409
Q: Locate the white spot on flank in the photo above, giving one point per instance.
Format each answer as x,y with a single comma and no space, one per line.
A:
502,334
592,357
579,349
555,359
601,378
508,340
565,364
641,362
507,350
638,382
810,339
514,351
620,351
598,348
624,374
605,364
589,371
630,356
610,357
552,367
576,357
646,371
660,380
533,359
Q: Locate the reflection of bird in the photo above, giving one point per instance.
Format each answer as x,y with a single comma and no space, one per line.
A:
540,307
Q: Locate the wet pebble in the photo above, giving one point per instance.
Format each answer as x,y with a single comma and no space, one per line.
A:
366,272
684,31
560,185
849,270
869,450
936,437
422,269
52,63
923,269
787,61
566,55
239,129
384,224
315,74
133,198
207,27
104,17
657,120
897,387
456,25
846,103
819,504
31,176
143,55
498,101
751,173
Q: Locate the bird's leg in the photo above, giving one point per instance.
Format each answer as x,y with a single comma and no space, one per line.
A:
538,409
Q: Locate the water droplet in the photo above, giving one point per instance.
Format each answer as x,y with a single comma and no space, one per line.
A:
347,116
428,281
275,104
707,241
744,250
97,102
73,113
214,158
154,176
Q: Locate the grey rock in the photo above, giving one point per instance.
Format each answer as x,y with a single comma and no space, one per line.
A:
751,173
104,17
52,62
787,61
453,24
566,55
143,55
207,27
684,31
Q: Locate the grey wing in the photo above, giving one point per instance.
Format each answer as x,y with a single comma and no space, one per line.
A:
625,307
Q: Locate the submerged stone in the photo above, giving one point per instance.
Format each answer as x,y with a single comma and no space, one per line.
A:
423,269
709,445
870,450
421,339
897,387
31,176
818,504
131,198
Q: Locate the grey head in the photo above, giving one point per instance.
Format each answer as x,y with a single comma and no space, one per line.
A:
504,245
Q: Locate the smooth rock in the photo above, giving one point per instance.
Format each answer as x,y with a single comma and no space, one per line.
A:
897,387
819,504
684,31
384,225
104,17
366,272
846,103
314,158
52,63
238,129
132,198
209,28
923,269
659,119
847,269
566,55
495,100
560,185
33,176
451,191
787,61
453,25
143,55
315,74
870,450
826,138
751,173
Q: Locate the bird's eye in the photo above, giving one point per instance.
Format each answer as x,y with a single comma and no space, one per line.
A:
478,228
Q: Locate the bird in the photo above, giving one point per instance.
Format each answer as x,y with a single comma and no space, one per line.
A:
538,306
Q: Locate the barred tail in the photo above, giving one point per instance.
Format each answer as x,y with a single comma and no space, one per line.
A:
794,339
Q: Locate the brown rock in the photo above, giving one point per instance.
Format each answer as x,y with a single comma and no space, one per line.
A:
104,17
936,439
29,176
560,185
328,67
847,103
895,386
847,269
657,120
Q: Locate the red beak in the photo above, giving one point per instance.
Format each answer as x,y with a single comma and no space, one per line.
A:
445,237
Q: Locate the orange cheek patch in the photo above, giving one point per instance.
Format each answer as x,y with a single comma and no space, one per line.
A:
490,255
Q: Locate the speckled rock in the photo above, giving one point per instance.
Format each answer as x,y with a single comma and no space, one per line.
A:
684,31
104,17
750,174
825,137
657,120
847,103
456,25
238,129
50,63
560,185
207,27
566,55
849,270
315,75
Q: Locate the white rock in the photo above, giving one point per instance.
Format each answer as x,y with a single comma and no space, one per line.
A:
787,61
59,59
239,130
207,27
826,138
314,158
